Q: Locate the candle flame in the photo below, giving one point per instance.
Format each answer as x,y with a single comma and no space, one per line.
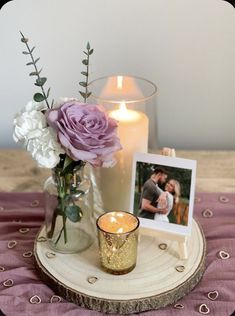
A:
120,230
124,114
119,82
122,106
112,219
120,214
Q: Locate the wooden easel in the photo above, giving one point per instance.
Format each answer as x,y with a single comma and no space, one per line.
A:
181,239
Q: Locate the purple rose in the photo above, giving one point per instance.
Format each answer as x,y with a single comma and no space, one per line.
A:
85,132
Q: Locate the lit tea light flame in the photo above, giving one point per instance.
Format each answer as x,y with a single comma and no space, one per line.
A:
120,230
120,214
112,219
119,82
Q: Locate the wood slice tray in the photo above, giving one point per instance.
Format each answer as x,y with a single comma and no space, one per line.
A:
153,284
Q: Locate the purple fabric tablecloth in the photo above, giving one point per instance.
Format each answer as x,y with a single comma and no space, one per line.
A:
17,211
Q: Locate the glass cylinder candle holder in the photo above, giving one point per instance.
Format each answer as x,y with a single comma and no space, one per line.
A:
131,101
118,241
125,92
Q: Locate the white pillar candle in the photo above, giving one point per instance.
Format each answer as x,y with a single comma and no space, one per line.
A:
115,183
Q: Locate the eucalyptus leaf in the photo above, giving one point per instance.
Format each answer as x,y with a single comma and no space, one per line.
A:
38,97
25,53
67,161
83,94
84,73
34,73
88,94
74,213
37,60
69,168
30,63
24,40
85,53
61,162
83,83
48,92
91,51
32,49
88,46
85,62
40,81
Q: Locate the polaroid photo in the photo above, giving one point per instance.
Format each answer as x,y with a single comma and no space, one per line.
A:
162,192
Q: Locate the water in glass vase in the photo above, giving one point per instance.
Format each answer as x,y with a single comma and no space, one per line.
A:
69,210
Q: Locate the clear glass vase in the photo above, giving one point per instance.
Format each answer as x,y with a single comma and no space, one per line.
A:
69,210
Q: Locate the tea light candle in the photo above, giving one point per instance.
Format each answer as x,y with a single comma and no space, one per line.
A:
118,241
117,222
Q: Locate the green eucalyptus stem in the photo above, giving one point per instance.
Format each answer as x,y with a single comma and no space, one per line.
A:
85,83
37,72
87,70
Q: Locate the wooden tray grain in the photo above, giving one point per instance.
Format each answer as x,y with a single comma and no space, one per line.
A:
153,284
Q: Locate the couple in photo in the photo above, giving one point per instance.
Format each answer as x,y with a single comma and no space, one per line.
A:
156,203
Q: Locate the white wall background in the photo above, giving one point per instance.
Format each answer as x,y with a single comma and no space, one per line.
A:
187,47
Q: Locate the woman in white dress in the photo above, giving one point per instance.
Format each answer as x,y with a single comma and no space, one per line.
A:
167,199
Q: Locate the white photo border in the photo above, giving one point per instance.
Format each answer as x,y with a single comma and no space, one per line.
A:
168,162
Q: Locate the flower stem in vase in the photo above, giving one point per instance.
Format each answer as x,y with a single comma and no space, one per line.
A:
65,230
61,231
62,188
53,222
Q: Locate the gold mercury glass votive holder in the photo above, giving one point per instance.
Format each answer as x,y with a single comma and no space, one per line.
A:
118,241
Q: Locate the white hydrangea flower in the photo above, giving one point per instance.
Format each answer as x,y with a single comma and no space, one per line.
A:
45,149
29,122
32,105
28,125
31,129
